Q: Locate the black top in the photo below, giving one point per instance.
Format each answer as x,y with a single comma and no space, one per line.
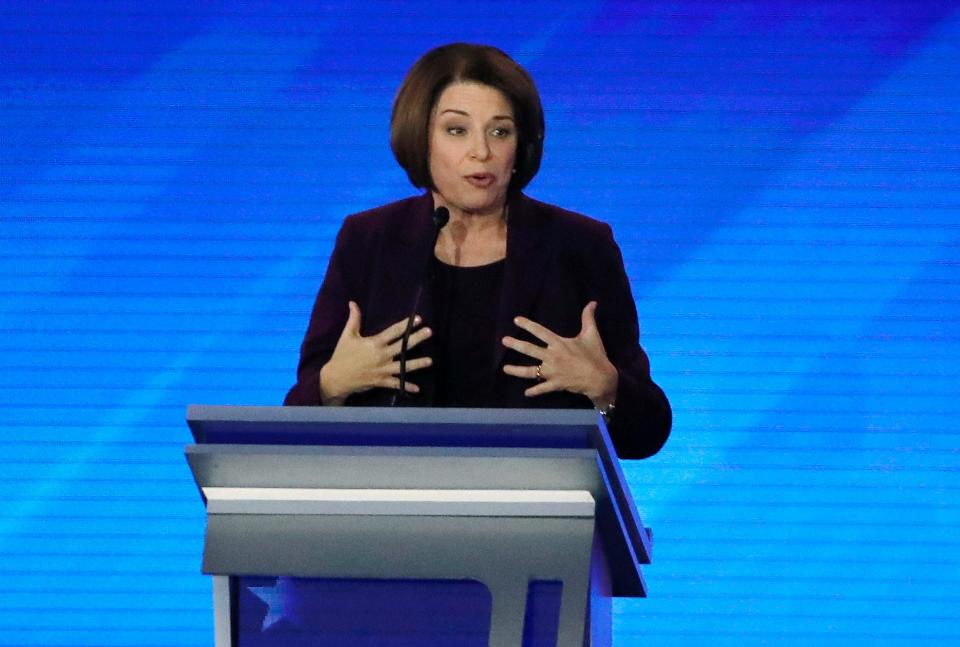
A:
466,300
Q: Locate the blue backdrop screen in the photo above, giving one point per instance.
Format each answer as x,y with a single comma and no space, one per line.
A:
782,177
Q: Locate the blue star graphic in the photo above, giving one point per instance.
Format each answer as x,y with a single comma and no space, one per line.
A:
281,600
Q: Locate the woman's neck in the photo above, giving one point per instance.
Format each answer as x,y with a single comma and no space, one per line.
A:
472,239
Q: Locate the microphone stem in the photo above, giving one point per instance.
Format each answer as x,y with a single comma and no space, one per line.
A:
440,218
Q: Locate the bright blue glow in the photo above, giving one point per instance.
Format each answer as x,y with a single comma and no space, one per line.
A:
782,178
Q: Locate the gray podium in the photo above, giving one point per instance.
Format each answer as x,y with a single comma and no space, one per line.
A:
492,500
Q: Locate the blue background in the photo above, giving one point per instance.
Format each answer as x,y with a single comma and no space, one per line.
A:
783,178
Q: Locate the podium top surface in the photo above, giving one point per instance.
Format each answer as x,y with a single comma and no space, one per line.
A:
403,426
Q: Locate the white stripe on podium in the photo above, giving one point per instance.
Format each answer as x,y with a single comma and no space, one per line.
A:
430,502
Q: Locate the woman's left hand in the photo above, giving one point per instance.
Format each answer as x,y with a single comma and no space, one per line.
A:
576,364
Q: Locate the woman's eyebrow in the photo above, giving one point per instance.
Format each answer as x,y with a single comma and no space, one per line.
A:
467,114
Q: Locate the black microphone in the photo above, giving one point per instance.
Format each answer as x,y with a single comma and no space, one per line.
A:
440,218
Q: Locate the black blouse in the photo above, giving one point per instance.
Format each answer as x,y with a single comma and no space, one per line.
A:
465,305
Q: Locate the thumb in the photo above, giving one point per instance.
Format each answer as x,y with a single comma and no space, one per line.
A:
588,321
352,327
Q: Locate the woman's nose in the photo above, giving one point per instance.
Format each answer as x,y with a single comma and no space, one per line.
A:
479,148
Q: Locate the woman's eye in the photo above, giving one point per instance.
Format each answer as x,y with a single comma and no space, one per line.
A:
501,132
456,130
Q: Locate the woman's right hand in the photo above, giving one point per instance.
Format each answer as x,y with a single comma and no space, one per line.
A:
361,363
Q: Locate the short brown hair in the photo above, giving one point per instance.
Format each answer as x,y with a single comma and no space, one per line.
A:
457,63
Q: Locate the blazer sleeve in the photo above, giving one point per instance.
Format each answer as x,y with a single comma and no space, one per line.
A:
642,417
327,320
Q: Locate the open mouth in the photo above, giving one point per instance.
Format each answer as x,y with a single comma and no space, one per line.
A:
480,180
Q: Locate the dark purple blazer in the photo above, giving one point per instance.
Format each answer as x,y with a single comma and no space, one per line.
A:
557,261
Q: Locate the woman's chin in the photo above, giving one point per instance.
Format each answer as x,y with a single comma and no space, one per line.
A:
480,206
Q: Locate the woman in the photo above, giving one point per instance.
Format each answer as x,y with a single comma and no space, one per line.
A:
523,304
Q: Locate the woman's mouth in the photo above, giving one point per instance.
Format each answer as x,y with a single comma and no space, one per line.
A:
480,180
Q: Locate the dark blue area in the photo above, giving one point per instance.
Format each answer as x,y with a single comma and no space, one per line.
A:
542,618
379,435
364,613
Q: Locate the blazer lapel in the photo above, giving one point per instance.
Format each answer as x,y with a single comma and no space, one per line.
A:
528,251
404,257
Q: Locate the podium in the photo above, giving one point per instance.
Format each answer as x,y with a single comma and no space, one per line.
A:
374,526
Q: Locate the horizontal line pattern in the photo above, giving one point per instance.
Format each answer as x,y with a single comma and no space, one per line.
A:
783,184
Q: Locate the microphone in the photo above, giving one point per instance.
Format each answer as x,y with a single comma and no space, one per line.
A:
440,218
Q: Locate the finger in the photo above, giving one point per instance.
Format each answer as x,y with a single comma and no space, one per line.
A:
541,388
540,332
352,327
525,347
528,372
394,383
418,336
395,331
588,318
412,365
415,338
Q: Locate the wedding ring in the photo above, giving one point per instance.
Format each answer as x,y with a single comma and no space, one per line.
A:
539,374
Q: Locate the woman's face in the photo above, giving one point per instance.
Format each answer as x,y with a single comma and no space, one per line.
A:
473,147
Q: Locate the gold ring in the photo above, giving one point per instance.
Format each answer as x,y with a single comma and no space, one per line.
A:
539,374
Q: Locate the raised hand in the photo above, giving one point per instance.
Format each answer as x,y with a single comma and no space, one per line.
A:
361,363
576,364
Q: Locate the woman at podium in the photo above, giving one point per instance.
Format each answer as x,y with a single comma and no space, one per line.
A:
473,294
